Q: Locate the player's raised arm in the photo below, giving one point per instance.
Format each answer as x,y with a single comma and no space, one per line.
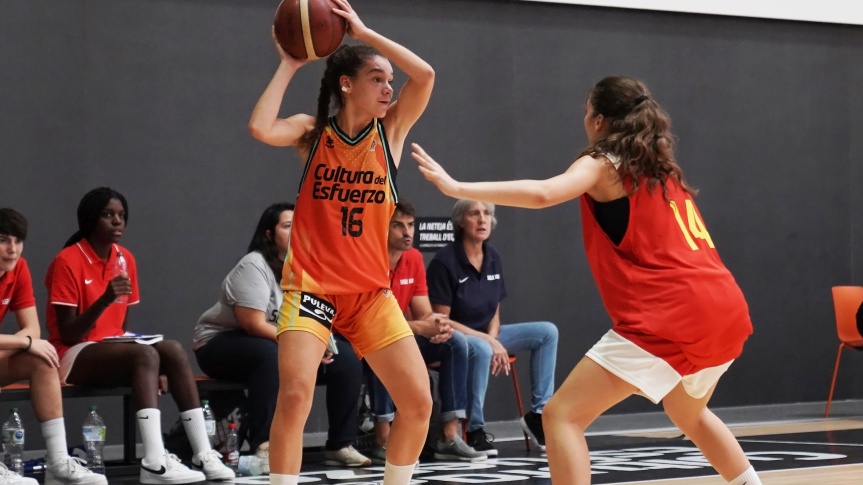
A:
265,124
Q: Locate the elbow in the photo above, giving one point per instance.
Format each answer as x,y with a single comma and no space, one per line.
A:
541,200
425,75
257,131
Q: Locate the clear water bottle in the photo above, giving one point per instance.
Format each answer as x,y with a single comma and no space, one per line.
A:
121,268
13,442
210,424
249,466
232,448
94,439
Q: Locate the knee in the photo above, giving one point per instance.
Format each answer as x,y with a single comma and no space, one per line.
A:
557,413
172,351
480,351
146,359
296,393
457,343
37,366
419,408
549,330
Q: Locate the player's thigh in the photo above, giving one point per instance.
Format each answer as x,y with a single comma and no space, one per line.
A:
401,369
300,354
375,321
587,392
112,364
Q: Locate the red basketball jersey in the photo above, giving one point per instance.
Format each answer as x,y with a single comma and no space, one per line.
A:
347,196
665,278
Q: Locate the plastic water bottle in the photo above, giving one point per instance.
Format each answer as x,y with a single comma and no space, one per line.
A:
13,442
121,268
210,424
249,466
94,439
232,448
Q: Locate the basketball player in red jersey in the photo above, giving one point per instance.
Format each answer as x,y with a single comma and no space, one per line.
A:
679,317
336,273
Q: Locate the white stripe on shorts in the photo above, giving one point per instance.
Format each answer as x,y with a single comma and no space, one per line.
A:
653,377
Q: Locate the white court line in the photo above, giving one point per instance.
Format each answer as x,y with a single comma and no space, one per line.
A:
799,442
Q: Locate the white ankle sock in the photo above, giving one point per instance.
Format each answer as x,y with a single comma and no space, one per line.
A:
398,474
54,433
150,425
196,429
276,479
749,477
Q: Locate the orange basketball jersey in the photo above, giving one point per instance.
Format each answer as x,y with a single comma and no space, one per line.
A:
347,196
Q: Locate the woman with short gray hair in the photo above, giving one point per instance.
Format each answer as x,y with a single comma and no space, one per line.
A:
465,281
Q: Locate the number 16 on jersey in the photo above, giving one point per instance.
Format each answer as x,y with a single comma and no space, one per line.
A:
352,225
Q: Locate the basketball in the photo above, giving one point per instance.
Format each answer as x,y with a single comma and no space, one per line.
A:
308,29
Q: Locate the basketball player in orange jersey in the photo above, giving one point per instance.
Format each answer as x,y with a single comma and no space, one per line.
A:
679,317
336,272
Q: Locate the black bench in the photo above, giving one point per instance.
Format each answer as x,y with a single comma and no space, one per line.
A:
21,392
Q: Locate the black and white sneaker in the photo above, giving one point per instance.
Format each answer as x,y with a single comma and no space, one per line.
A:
532,425
168,469
481,441
210,463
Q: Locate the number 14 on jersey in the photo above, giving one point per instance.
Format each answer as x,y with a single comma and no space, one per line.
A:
694,226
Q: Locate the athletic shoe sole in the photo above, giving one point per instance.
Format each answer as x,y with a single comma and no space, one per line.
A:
530,435
445,457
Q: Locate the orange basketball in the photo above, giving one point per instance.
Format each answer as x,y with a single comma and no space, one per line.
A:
308,29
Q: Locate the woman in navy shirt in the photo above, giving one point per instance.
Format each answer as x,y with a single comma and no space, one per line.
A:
466,283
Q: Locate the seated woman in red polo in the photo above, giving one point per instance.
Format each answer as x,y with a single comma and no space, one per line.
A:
24,355
88,300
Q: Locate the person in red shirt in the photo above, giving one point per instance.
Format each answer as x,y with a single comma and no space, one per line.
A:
437,340
679,317
25,356
88,300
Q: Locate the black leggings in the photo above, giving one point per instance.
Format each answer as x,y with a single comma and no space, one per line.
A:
238,357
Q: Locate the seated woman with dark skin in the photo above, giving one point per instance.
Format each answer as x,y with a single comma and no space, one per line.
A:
87,303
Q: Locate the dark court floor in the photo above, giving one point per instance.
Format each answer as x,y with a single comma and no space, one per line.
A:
792,447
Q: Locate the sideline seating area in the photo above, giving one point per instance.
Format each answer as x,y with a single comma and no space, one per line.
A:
21,392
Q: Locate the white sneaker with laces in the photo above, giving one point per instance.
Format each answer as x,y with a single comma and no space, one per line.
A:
210,462
8,477
263,454
347,456
168,469
71,471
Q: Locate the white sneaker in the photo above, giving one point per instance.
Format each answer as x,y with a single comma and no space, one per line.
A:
347,456
71,470
210,462
263,454
8,477
168,469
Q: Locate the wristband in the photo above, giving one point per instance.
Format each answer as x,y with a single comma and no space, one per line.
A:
29,343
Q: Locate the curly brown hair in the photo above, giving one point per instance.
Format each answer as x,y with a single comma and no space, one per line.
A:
639,132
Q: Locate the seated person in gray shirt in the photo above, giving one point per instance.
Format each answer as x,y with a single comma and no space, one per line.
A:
235,340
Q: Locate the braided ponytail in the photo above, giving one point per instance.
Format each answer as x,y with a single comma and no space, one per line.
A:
345,61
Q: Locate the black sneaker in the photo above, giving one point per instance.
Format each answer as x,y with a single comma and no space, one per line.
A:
481,441
532,425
